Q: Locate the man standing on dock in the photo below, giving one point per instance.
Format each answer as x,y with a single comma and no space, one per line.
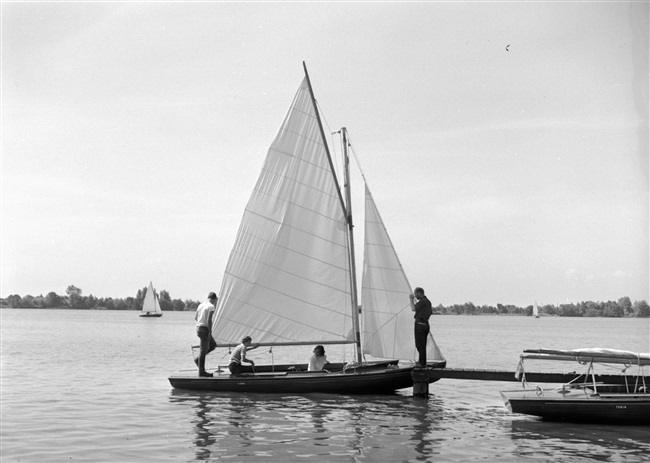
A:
422,309
203,318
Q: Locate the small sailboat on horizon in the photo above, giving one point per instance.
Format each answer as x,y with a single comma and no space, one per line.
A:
151,304
291,276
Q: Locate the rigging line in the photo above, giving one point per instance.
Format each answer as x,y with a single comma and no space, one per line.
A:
380,222
356,158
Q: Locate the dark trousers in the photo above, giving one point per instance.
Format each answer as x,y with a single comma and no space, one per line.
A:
208,344
421,333
235,368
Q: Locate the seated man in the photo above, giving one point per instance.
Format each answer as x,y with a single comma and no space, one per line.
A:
318,361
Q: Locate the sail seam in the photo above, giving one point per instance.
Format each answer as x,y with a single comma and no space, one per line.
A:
392,269
280,316
380,245
293,180
291,203
290,273
293,250
315,141
288,295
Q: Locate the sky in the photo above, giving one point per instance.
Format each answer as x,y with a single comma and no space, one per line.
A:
505,143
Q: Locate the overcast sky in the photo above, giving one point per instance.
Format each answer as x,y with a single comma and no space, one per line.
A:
506,144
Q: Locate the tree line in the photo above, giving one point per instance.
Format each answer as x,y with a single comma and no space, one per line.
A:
621,308
74,299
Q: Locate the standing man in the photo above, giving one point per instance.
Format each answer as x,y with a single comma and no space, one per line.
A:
422,309
203,318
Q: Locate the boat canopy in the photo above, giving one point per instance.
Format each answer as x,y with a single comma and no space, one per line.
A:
593,354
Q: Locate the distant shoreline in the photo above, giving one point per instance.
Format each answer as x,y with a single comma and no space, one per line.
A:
96,309
541,315
75,300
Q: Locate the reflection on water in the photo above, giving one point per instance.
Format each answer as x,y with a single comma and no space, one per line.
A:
318,427
427,416
312,426
204,438
598,442
318,418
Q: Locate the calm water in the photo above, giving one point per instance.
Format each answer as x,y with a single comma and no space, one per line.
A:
92,386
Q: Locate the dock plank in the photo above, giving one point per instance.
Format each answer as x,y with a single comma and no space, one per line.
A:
426,374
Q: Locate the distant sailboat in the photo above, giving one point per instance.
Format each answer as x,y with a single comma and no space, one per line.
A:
151,306
535,310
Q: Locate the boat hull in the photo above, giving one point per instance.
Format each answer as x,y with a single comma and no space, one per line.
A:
149,315
581,406
371,380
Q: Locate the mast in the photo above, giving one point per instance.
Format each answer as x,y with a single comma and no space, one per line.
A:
348,213
353,266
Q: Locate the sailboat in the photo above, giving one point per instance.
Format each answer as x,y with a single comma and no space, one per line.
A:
151,305
535,310
291,277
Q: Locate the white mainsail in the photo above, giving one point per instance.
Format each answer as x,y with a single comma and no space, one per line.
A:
288,276
535,310
387,315
150,303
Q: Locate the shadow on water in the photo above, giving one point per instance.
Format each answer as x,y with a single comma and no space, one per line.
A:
311,426
599,442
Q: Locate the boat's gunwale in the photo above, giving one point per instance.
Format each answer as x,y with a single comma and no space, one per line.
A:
593,408
370,380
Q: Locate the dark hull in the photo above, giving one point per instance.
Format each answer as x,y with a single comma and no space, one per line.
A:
376,379
151,315
609,408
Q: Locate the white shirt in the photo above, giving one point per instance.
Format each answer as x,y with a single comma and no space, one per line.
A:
238,354
203,312
317,363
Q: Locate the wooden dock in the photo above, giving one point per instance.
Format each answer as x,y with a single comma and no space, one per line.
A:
423,376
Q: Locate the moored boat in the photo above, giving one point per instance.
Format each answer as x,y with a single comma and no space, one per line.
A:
625,401
291,277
